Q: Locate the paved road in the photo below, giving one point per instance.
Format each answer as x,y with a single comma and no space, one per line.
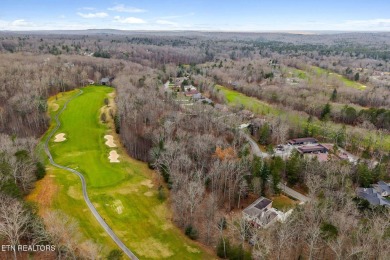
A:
293,193
92,208
256,150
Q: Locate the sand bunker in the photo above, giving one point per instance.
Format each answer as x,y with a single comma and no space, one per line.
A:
147,183
60,138
148,194
110,141
113,157
54,107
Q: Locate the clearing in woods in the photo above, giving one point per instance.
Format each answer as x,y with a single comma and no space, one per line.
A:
118,190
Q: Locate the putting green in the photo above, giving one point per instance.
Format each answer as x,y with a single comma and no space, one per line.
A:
123,193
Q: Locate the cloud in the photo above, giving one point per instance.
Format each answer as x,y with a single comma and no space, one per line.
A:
129,20
21,23
93,15
377,23
166,22
126,9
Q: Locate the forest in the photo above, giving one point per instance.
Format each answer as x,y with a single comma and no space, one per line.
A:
334,87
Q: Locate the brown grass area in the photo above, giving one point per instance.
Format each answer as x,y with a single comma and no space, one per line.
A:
44,193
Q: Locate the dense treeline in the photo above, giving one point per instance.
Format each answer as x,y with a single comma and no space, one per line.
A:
200,154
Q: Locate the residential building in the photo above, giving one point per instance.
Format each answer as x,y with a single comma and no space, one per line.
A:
303,141
378,195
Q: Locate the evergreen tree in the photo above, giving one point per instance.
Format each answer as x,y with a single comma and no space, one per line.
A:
333,97
293,166
265,134
325,112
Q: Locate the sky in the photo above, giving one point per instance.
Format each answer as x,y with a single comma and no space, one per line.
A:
205,15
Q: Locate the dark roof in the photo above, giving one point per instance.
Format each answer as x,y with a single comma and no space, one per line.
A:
384,186
372,196
312,149
263,203
303,140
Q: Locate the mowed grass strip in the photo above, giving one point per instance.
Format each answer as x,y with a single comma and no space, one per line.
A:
237,99
332,75
255,105
123,193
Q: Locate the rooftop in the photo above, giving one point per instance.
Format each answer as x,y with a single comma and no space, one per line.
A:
303,140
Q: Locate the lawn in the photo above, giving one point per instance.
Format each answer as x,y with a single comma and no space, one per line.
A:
255,105
124,193
237,99
283,203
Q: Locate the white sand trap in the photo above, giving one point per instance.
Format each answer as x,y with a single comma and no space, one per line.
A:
113,157
110,141
148,194
60,138
55,106
118,206
147,183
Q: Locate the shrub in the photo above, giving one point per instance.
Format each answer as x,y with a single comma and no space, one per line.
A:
191,232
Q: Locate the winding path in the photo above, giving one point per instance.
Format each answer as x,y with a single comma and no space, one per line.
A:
256,150
91,207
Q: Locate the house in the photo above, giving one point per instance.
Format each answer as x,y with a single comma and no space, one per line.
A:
312,149
260,213
197,96
302,141
90,82
189,88
205,101
382,188
190,93
375,195
321,157
107,81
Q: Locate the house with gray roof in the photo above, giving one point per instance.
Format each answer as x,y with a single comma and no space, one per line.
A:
378,195
260,213
106,81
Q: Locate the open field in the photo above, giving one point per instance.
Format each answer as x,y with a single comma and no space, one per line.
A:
328,129
255,105
124,193
347,82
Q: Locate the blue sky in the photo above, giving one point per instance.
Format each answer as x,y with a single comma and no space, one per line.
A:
211,15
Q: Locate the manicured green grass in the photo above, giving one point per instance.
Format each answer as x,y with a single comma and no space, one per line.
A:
123,193
238,99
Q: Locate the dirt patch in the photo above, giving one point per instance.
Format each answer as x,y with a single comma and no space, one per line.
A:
147,183
118,206
44,193
113,157
167,226
59,138
110,141
152,248
192,249
148,194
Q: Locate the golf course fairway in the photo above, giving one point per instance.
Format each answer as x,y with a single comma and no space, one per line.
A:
123,192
